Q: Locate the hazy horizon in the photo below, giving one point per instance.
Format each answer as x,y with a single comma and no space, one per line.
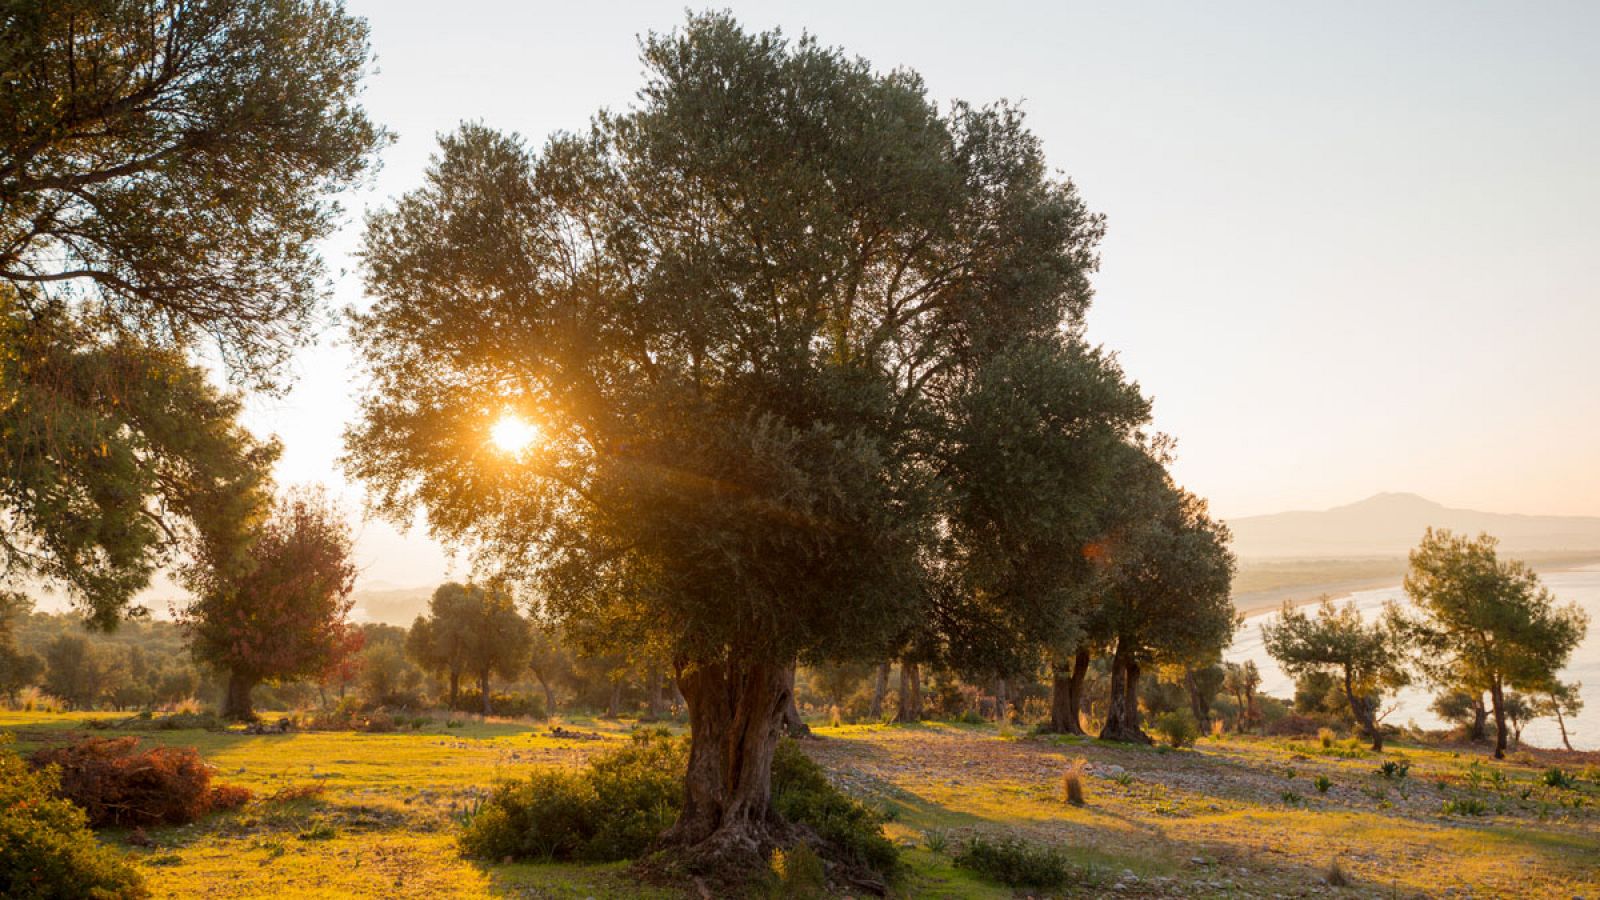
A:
1349,249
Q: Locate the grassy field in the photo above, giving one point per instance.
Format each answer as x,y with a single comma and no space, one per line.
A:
1236,817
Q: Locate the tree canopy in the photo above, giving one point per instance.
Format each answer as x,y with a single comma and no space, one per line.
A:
1367,659
1484,622
166,169
745,315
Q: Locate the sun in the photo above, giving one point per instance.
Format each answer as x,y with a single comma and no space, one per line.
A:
512,433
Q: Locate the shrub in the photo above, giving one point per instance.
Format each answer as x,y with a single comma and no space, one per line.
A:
798,872
1293,725
1326,737
1465,806
1322,783
117,784
1014,862
852,831
1556,778
514,706
46,847
1177,728
611,810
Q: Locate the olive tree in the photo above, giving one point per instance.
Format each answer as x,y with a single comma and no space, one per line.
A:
739,313
1484,622
1367,659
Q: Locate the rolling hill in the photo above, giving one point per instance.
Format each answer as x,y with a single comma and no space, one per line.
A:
1389,525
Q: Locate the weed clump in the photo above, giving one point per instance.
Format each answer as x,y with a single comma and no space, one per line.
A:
1015,862
1335,876
46,847
1394,771
1326,737
117,784
798,872
1072,781
1556,778
1322,783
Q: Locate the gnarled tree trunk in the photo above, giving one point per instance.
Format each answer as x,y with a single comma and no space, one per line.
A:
1480,720
1066,694
735,721
1365,711
1122,716
880,689
236,703
910,693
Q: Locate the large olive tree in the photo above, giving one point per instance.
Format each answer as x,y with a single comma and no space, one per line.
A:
742,314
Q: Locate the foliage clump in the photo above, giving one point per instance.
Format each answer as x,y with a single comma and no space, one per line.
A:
115,783
851,831
1015,862
46,847
1178,728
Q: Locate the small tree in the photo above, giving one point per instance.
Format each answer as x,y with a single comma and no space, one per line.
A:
471,629
1485,622
1366,659
1241,681
1560,700
77,671
282,614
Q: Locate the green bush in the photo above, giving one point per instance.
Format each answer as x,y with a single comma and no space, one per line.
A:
802,794
627,797
1015,863
1322,783
611,810
46,847
1394,770
1178,728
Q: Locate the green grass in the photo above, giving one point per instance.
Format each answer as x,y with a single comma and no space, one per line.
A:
386,822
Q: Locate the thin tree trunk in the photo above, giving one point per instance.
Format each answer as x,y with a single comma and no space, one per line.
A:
1198,705
1561,723
1497,696
880,689
910,692
455,687
614,699
657,698
236,703
483,685
793,725
1480,719
1002,699
735,719
549,693
1122,717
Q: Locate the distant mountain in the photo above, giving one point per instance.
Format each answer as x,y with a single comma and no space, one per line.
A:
1391,524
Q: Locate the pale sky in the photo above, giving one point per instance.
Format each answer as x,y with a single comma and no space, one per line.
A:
1353,247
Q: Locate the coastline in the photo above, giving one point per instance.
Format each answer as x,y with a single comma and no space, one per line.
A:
1252,604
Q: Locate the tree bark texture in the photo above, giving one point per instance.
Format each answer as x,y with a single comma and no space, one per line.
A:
735,720
1122,716
910,693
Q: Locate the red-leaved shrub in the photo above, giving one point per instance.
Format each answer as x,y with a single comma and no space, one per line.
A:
118,784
